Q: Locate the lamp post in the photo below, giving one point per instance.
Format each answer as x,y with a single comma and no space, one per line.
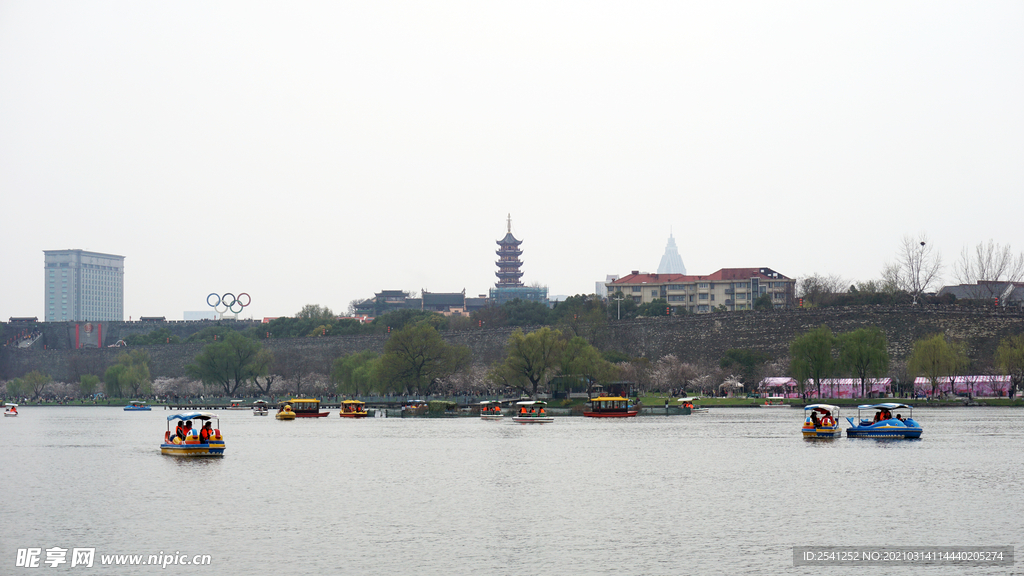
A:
618,307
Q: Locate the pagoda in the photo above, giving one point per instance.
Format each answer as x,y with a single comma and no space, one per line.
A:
508,260
509,286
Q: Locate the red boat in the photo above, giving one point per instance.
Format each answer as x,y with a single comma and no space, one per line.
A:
610,407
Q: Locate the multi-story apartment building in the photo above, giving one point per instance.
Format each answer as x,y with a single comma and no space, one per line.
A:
83,286
733,288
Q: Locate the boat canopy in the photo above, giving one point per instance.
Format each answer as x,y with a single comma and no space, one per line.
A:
689,399
192,416
886,405
827,407
261,403
11,404
531,403
609,399
353,402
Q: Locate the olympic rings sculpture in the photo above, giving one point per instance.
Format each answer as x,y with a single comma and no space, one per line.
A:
229,301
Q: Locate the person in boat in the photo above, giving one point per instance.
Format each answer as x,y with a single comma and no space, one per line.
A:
900,418
179,430
542,411
814,419
187,430
204,434
522,410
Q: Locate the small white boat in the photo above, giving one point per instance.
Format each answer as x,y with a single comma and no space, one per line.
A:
10,410
237,404
260,408
532,412
689,402
490,410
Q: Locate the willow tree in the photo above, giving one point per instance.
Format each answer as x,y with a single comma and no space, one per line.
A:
228,363
864,353
936,359
811,356
416,357
129,375
1010,359
531,360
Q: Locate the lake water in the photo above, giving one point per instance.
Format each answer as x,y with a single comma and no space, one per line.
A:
729,492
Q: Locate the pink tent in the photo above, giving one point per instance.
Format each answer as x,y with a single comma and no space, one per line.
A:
981,385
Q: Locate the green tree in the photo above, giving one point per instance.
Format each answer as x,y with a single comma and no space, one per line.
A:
580,359
621,307
1010,359
130,376
585,316
656,307
398,319
159,336
18,388
864,353
811,356
532,358
356,373
764,302
263,365
316,312
526,313
37,382
745,362
88,384
416,357
936,359
228,364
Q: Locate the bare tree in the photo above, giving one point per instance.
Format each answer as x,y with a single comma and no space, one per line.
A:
917,267
988,268
817,287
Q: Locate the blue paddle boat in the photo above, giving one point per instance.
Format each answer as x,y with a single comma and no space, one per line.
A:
886,423
136,405
821,421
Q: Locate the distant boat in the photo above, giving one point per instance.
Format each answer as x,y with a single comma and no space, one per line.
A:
11,410
353,409
490,410
136,405
532,412
260,408
610,407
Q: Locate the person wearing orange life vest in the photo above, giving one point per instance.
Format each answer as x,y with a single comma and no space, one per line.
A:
204,434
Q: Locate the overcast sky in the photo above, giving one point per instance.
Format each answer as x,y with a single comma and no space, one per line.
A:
316,153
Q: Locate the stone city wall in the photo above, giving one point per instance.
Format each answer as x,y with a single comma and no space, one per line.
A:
692,338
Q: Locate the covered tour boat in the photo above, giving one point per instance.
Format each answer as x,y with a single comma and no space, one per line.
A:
609,407
260,408
490,410
353,409
532,412
136,405
205,440
10,409
821,421
237,404
884,424
307,408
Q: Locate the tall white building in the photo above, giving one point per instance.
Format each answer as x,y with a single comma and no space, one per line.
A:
83,286
671,262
